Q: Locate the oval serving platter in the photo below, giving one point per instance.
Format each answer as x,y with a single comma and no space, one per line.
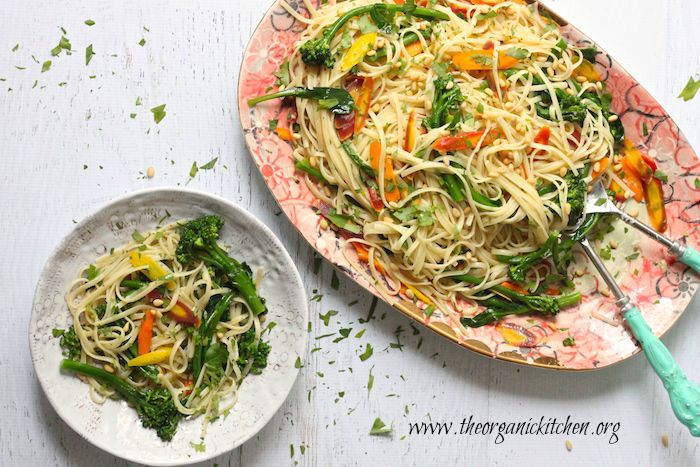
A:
661,287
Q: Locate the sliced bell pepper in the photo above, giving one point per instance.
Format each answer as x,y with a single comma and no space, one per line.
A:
179,312
493,2
357,51
362,101
587,69
416,293
374,198
145,335
363,255
409,140
650,162
604,163
465,140
515,287
654,195
155,270
619,192
284,133
159,355
375,153
632,180
481,59
345,125
634,161
542,136
414,49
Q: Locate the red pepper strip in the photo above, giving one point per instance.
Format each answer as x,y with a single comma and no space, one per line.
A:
465,140
374,198
654,195
345,125
650,162
542,136
179,312
146,333
362,102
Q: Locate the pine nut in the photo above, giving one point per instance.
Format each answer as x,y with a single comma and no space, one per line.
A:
150,172
323,224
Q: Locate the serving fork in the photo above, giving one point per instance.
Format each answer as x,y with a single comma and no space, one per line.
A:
684,394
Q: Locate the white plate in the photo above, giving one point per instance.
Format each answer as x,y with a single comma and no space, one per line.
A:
115,427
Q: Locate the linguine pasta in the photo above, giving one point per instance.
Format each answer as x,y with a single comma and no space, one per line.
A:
412,233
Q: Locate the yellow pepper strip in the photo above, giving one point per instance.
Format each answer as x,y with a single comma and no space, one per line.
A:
156,270
418,294
357,51
159,355
587,69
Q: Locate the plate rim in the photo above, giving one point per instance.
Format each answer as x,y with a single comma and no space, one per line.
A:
94,212
404,307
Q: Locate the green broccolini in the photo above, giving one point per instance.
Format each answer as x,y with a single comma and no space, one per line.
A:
69,342
249,350
198,242
154,407
317,52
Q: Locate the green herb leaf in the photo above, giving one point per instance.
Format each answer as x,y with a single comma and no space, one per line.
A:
697,183
282,74
480,108
138,101
88,54
297,363
370,381
158,113
325,318
89,22
199,447
194,169
132,115
367,353
379,428
489,15
366,25
344,222
661,176
569,342
518,53
14,49
633,256
645,129
690,89
142,42
45,66
209,165
137,236
273,124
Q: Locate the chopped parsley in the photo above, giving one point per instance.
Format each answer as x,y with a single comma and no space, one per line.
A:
89,22
517,52
89,53
690,89
661,176
325,318
158,113
379,428
489,15
45,66
142,42
367,353
569,342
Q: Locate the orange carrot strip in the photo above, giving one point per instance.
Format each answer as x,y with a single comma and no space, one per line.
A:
375,153
654,195
604,163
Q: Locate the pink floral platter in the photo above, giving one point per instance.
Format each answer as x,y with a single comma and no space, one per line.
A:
661,286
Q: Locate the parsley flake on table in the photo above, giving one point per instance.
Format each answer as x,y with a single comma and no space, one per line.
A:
194,169
690,89
209,165
697,183
379,428
88,54
325,318
370,381
142,42
159,114
89,22
14,49
367,353
569,342
63,44
297,363
45,66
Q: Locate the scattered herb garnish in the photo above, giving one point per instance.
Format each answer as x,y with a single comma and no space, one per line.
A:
142,42
88,54
89,22
367,353
690,89
569,342
379,428
158,113
325,318
45,66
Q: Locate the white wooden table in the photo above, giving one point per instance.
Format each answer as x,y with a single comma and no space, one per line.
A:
67,148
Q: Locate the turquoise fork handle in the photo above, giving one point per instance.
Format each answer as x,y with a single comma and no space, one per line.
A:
691,258
684,394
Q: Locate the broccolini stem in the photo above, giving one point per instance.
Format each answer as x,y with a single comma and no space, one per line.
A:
111,380
205,333
454,186
239,276
305,166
